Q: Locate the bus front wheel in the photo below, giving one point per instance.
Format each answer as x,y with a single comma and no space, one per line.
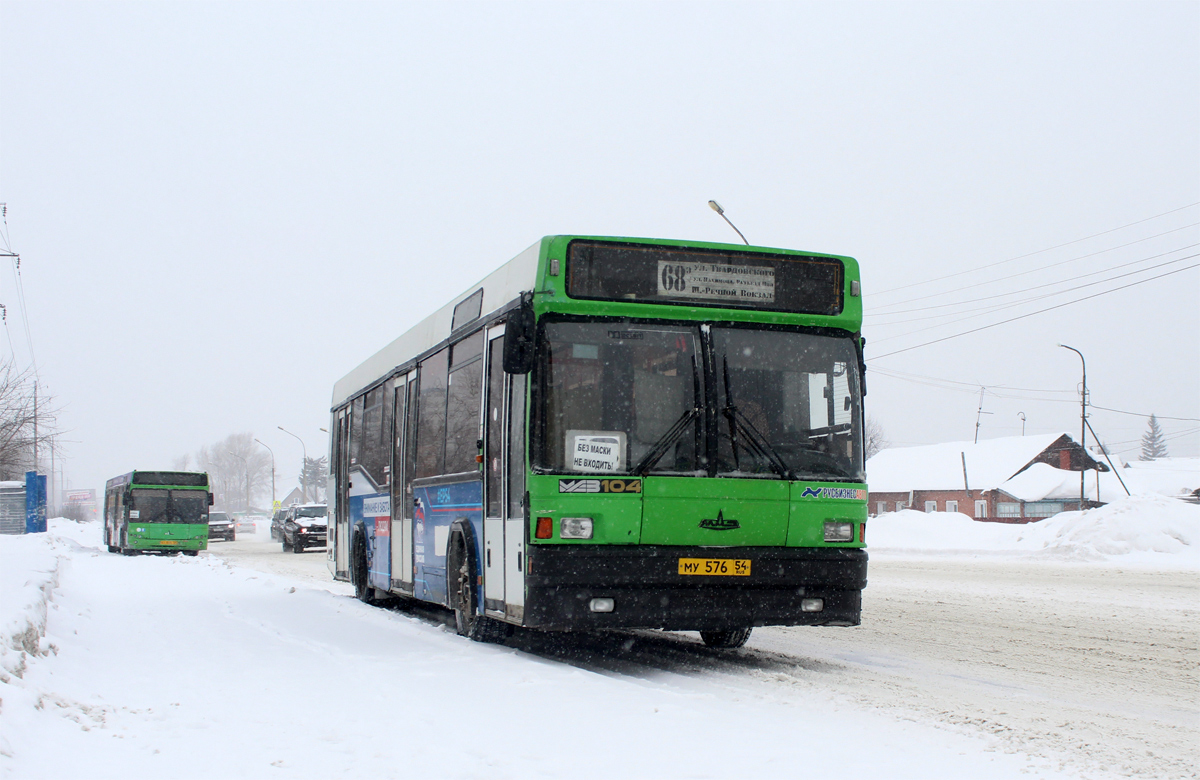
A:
726,640
461,583
358,571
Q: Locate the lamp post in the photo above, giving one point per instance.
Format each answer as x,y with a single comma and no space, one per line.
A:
272,474
243,460
1022,416
304,468
1082,423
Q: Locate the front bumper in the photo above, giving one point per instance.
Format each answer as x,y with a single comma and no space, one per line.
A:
648,591
228,534
304,541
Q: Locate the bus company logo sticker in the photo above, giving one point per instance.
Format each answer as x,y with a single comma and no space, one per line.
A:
853,494
720,523
380,506
599,486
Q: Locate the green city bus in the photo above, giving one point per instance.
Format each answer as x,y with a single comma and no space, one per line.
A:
615,433
157,511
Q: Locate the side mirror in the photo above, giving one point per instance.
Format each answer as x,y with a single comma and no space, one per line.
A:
520,331
210,499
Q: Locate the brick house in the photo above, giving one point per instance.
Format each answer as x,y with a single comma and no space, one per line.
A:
1016,479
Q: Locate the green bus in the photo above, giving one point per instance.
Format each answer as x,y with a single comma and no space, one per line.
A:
615,433
157,511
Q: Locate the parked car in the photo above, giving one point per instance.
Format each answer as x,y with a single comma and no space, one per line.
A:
248,524
277,521
221,526
304,526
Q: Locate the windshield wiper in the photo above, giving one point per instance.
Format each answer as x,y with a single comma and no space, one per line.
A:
756,443
667,439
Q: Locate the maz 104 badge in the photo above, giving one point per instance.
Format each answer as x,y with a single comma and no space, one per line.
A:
599,486
596,450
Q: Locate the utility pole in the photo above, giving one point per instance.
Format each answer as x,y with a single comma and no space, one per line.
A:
1022,416
978,413
1082,424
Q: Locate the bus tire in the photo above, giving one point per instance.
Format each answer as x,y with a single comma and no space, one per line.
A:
726,640
359,574
461,592
191,553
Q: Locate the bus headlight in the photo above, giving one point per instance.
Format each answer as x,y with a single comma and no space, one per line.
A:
839,532
575,528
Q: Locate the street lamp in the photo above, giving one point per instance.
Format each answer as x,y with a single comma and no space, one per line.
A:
272,474
1082,423
243,460
1022,416
304,468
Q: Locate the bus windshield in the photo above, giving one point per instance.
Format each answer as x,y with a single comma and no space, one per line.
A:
616,391
629,398
787,404
169,506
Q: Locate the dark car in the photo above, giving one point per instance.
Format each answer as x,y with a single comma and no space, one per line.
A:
277,521
305,526
221,526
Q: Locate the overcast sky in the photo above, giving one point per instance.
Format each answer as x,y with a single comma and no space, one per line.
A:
222,208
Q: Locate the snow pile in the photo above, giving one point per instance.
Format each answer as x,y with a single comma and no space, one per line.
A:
29,568
1143,529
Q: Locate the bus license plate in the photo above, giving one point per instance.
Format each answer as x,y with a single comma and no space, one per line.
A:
168,541
731,567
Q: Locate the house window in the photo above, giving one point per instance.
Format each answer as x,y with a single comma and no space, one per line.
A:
1043,508
981,508
951,506
930,506
1008,509
880,507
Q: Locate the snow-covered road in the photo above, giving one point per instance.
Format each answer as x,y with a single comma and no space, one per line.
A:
249,662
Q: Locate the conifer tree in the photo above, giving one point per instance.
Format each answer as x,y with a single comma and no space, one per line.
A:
1153,446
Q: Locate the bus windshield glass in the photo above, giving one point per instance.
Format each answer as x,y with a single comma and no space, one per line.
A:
621,397
189,506
787,404
169,506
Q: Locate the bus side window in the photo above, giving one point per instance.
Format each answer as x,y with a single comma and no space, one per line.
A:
431,415
356,432
410,446
495,427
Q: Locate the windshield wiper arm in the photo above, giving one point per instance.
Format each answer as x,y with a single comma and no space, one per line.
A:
755,441
667,439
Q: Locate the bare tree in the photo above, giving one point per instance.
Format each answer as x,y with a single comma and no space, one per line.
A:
237,471
876,439
27,422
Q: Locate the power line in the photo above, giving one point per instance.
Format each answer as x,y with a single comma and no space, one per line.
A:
1038,252
1138,414
1033,313
1014,304
1025,290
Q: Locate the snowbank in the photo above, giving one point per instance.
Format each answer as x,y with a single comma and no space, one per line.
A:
29,567
1153,530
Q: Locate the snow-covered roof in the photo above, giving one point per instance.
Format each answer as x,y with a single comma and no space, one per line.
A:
990,464
1043,482
1168,476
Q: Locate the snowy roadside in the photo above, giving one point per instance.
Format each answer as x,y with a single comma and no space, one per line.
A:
175,667
1144,531
29,572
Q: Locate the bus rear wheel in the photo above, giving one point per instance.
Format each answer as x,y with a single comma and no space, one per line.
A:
726,640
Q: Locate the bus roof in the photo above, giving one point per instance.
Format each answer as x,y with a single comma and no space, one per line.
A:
165,478
500,288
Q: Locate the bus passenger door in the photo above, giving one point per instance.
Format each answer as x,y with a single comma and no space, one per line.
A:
515,524
493,478
401,503
339,535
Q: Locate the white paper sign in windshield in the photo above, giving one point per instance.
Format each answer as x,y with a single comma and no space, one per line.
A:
596,451
716,281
